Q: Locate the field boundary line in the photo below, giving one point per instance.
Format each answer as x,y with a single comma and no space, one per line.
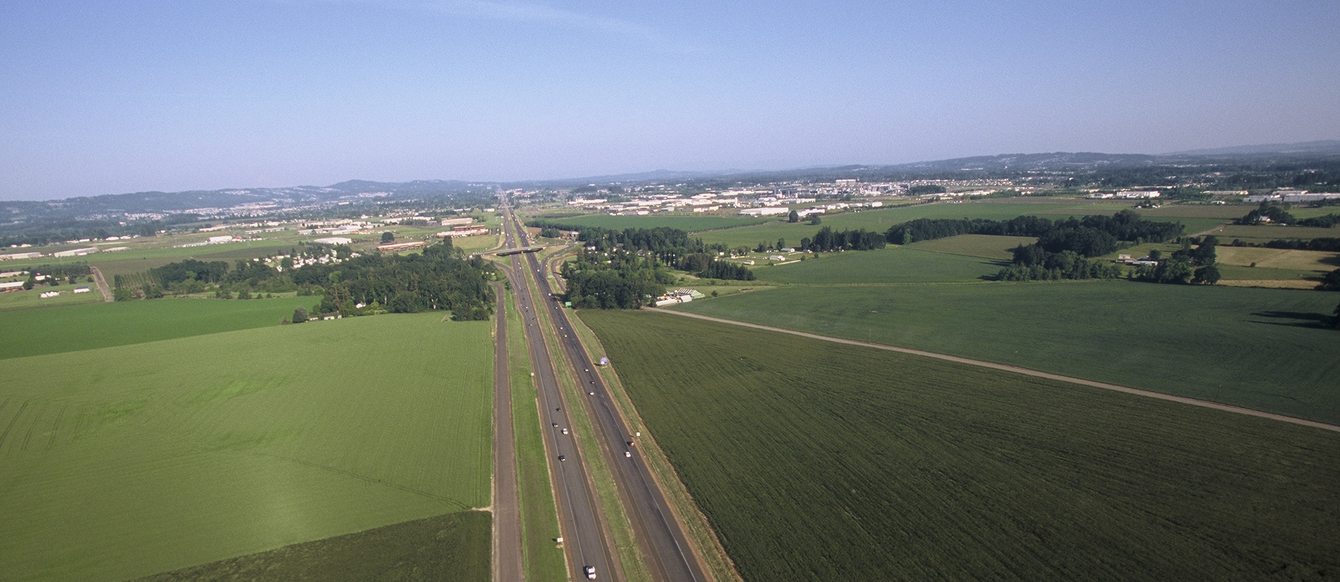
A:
1024,371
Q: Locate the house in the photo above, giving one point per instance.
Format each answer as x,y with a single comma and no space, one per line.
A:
49,294
395,247
334,240
463,221
11,286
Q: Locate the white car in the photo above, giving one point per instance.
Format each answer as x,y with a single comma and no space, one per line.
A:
590,572
565,431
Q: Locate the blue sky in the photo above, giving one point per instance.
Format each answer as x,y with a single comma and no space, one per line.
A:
105,97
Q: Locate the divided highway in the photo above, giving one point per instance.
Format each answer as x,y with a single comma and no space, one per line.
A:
584,539
663,541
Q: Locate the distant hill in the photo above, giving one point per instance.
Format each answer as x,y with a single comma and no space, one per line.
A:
1327,147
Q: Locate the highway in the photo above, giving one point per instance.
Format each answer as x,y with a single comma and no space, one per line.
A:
579,517
664,544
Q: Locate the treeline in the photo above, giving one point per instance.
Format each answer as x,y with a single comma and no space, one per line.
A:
1186,265
1274,212
708,266
1089,235
1033,263
55,274
829,240
441,278
623,281
1316,244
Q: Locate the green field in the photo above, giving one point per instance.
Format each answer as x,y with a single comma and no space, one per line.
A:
682,222
976,245
33,297
817,461
891,265
1311,261
881,219
129,460
447,547
1261,233
100,325
1260,348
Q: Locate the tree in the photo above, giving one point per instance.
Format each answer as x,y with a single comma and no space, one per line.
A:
1331,282
299,315
814,219
388,237
1336,321
793,217
1208,275
781,243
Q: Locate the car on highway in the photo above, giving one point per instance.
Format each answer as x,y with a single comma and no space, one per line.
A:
565,431
590,572
562,458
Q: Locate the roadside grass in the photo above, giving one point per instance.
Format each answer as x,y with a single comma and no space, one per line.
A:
890,265
447,547
690,516
98,325
542,558
135,459
818,461
976,245
1260,348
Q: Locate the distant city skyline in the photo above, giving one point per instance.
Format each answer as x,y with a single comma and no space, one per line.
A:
112,97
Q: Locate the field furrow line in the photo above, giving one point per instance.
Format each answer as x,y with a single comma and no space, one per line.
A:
12,422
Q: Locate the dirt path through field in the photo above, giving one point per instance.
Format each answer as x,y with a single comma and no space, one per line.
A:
102,285
1024,371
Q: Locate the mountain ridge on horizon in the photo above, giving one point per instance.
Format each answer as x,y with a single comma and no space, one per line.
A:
964,163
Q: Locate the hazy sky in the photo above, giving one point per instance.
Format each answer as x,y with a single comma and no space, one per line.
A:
104,97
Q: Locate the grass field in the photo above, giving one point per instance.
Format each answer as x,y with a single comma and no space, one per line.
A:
976,245
129,460
82,327
1262,233
1260,348
447,547
817,461
33,297
1317,261
891,265
882,219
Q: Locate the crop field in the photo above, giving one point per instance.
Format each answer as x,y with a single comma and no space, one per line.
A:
130,460
817,461
454,546
83,327
1318,261
682,222
1261,233
976,245
1259,348
10,300
890,265
882,219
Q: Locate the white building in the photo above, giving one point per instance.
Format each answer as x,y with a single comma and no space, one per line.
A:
333,240
766,211
76,252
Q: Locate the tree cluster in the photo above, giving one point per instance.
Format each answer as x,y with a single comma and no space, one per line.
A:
623,281
1090,236
1033,263
707,266
829,240
1187,265
441,278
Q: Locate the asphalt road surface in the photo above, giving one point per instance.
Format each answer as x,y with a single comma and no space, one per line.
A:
662,538
506,517
584,538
